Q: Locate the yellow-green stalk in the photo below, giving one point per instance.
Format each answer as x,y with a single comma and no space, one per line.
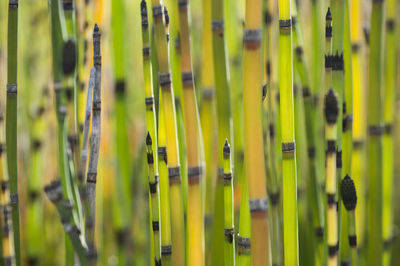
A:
374,140
388,120
359,118
331,115
289,173
7,236
229,231
253,139
349,198
11,120
224,122
167,94
155,200
243,239
195,216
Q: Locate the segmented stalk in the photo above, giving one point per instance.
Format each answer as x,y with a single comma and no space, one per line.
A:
374,140
91,176
224,121
195,221
229,231
289,173
174,174
6,222
331,115
11,120
388,120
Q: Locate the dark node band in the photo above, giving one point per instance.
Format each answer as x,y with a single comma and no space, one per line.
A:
353,241
146,50
182,3
267,18
243,242
271,130
229,234
166,250
228,177
153,187
156,226
68,5
187,78
285,24
345,262
252,35
220,172
331,146
337,62
306,92
149,101
32,260
355,47
96,106
375,130
194,171
157,262
294,21
14,198
217,25
338,159
2,148
299,51
120,87
328,61
12,89
91,177
5,230
388,129
89,223
157,11
274,198
357,144
328,32
319,232
390,25
165,79
174,173
311,152
13,3
258,205
4,185
387,243
332,250
288,147
122,236
208,93
33,195
331,198
347,122
150,158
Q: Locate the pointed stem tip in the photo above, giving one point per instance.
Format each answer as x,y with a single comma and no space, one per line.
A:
227,148
328,15
148,139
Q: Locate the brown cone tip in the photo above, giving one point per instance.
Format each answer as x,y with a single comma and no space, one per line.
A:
349,194
331,107
328,15
148,139
227,148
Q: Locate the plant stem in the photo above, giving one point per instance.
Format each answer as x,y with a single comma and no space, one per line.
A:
229,246
374,140
11,120
289,173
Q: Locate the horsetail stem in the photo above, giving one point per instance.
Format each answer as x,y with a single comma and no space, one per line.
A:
11,120
289,173
6,222
388,120
174,175
331,116
195,221
349,198
374,140
155,200
229,231
359,119
224,121
253,140
91,177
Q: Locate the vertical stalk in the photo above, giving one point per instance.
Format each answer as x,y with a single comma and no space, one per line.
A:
224,121
359,119
6,222
289,173
11,120
331,115
91,177
349,198
174,175
195,221
374,140
388,120
229,231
